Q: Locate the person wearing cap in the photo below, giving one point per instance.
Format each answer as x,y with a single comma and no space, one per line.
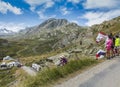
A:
63,60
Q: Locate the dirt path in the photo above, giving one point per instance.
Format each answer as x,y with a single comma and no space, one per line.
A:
29,70
106,74
34,49
18,53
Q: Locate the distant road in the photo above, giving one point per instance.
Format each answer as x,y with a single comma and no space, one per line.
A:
29,70
106,74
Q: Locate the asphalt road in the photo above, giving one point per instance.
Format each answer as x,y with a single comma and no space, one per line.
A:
106,74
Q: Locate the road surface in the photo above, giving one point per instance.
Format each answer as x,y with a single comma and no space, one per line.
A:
106,74
29,70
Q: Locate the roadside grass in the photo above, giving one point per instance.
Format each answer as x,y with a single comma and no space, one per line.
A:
48,76
7,76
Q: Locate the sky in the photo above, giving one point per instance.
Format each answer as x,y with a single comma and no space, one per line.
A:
19,14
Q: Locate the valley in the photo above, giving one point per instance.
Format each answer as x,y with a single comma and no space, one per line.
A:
53,37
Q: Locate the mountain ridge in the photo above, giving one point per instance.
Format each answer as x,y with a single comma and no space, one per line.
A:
48,28
4,31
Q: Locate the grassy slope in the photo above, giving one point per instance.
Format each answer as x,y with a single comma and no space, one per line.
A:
7,76
26,48
48,76
112,26
35,47
9,48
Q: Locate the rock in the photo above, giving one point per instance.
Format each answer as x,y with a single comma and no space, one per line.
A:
76,51
36,67
55,59
8,58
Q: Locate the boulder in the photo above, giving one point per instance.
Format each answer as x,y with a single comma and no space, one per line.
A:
56,59
36,67
8,58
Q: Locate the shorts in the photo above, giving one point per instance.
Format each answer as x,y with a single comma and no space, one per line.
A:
112,46
108,48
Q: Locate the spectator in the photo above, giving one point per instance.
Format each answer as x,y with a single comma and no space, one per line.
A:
117,45
63,60
113,45
108,45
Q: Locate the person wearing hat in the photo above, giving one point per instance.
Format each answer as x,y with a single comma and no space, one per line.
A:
63,60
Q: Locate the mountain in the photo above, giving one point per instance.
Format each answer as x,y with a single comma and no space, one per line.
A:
54,34
49,28
53,23
50,35
4,32
54,37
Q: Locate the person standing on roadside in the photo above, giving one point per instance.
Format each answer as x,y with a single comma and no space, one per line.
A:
117,45
108,45
113,45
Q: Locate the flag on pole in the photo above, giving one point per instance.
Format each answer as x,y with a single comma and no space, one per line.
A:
101,36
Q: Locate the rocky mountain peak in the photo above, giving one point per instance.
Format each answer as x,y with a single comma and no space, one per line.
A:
53,23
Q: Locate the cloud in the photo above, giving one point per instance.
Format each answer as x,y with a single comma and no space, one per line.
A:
91,4
5,7
98,17
74,1
35,3
12,26
106,10
49,4
64,10
43,16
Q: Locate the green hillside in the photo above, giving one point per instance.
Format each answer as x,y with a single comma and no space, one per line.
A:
112,26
